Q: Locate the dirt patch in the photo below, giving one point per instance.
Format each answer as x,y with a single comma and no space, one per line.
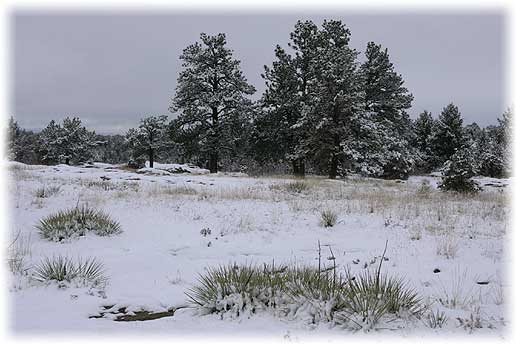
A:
123,315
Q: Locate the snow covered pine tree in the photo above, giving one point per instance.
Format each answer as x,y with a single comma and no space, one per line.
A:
148,139
69,143
386,100
211,91
458,172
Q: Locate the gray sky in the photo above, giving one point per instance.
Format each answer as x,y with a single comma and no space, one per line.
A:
113,69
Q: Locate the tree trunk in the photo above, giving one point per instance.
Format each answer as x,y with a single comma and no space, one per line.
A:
67,161
334,163
298,168
151,158
213,165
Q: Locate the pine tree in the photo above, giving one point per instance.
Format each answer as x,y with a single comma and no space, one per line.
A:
337,97
211,91
495,148
448,134
275,136
306,43
287,103
149,138
459,170
13,140
70,142
386,100
423,129
111,149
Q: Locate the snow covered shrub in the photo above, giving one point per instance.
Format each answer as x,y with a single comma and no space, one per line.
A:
76,222
455,294
297,187
328,218
415,233
448,247
313,294
17,253
436,320
46,191
458,171
424,189
473,322
371,297
64,269
236,289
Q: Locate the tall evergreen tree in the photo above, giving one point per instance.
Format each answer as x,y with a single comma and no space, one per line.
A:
337,97
386,101
211,91
423,130
448,134
495,148
14,133
276,136
305,42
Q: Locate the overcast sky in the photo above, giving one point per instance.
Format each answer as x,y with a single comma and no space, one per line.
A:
113,69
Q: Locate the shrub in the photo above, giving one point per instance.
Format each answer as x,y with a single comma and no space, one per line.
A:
425,188
297,186
371,296
436,320
236,289
321,294
328,218
47,191
458,171
17,253
76,222
448,247
458,293
63,269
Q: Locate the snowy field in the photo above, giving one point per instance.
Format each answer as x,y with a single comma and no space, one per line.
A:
450,248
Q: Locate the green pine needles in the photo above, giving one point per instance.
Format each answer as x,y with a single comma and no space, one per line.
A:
76,222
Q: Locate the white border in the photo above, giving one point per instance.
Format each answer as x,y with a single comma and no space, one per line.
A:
235,6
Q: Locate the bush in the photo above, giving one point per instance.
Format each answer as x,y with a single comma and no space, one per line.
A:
63,269
371,296
437,319
237,289
458,171
448,247
46,191
322,295
328,218
17,253
297,187
76,222
425,188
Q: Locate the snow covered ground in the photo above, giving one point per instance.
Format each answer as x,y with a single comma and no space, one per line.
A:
450,248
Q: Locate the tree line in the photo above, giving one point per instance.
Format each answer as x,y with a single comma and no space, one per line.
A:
322,112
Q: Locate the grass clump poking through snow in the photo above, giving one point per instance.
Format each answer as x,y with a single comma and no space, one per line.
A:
17,253
236,289
328,218
436,320
64,269
297,186
372,296
76,222
312,294
46,191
